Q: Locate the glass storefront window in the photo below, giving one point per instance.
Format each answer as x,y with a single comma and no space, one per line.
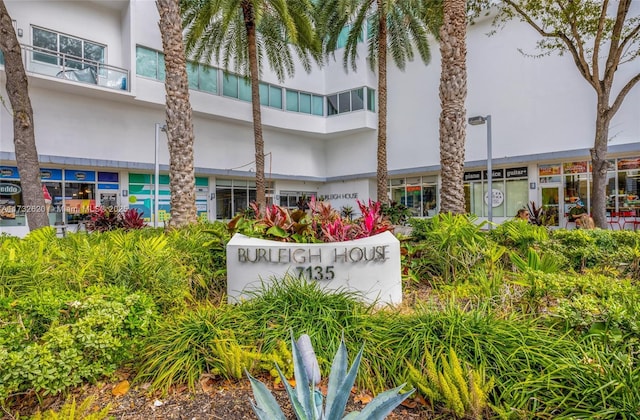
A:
234,195
429,198
11,205
79,201
516,195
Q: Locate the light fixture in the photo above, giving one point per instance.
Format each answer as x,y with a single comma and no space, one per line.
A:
156,195
479,120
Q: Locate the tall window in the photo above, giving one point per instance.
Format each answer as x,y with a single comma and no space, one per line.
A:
66,50
419,194
509,192
234,195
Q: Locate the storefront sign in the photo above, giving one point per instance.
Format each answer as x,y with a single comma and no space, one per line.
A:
495,174
629,163
549,170
88,176
369,266
9,189
473,176
517,172
51,174
8,172
575,167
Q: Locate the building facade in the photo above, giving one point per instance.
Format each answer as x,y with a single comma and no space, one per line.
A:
96,76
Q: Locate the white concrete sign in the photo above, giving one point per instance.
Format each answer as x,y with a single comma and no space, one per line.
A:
368,266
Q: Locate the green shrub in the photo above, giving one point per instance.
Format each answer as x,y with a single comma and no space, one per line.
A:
449,246
588,248
69,339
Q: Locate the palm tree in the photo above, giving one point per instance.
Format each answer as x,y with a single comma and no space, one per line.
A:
179,117
246,32
397,27
23,131
453,92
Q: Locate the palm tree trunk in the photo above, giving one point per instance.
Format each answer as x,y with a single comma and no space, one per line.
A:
453,92
249,20
23,130
179,117
382,175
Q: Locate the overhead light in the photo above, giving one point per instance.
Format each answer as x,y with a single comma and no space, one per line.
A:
477,120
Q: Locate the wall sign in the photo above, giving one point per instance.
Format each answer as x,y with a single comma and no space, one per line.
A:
368,266
517,172
497,198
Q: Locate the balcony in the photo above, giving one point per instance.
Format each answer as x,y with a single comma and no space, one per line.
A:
64,66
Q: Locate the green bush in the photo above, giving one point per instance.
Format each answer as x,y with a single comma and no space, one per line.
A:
51,342
588,248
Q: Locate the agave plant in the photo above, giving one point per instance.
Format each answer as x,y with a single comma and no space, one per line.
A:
307,400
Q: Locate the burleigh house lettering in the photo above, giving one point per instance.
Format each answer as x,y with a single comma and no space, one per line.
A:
347,196
363,254
280,255
287,255
368,266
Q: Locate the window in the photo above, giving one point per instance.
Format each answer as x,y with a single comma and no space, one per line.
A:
235,86
207,79
234,195
419,194
344,35
292,100
149,63
349,101
192,75
230,85
357,99
66,50
295,199
1,59
509,192
317,103
371,100
275,97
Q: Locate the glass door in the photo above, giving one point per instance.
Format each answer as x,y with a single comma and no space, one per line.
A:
550,206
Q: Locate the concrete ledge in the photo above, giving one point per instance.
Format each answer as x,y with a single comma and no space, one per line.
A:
369,266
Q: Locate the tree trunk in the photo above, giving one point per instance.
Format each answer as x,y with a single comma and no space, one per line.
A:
179,117
23,130
453,92
249,20
382,175
599,163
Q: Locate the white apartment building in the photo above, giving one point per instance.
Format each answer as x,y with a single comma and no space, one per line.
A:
96,84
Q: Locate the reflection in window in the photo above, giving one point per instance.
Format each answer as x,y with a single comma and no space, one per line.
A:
292,100
357,99
78,53
349,101
234,195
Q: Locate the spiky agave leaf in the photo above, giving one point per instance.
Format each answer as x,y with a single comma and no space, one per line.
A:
298,408
340,382
266,406
303,390
384,403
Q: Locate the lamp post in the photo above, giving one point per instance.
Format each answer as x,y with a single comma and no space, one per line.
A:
479,120
156,192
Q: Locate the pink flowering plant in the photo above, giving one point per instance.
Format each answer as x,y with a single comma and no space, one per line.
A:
319,223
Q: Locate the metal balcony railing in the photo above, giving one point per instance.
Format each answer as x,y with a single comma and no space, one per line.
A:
64,66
